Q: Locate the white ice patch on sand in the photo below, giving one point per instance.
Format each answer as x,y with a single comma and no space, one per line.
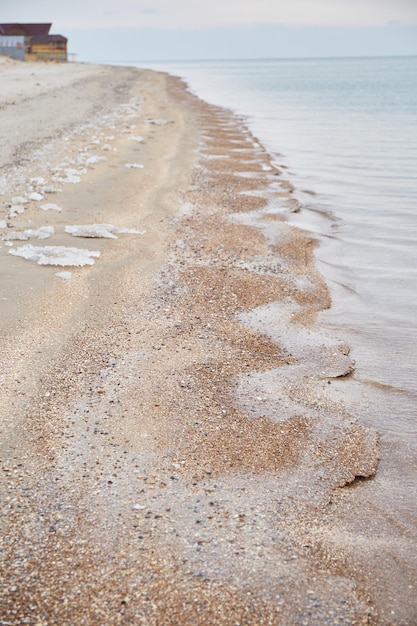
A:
3,223
16,209
137,138
37,180
137,166
56,255
51,189
100,230
19,200
64,275
71,176
92,231
50,207
95,159
23,235
37,197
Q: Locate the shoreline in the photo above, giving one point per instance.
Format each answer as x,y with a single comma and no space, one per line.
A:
147,431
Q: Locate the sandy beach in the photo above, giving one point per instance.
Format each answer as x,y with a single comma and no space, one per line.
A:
171,449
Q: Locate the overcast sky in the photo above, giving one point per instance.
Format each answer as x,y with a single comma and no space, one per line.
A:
138,29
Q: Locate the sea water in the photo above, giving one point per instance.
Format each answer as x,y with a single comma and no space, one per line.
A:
346,129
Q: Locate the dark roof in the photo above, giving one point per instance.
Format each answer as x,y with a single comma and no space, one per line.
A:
29,29
48,39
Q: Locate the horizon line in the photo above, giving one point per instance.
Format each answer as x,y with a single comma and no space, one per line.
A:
214,60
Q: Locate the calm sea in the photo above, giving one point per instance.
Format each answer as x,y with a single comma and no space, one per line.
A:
347,131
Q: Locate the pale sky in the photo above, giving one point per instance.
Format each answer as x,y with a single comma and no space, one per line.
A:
89,23
208,14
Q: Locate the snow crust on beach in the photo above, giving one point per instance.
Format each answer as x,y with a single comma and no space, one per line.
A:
64,275
106,231
50,206
56,255
61,157
43,232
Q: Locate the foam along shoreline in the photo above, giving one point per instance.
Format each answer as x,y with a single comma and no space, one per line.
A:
168,409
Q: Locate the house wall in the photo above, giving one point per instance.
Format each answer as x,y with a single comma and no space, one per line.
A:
47,52
13,46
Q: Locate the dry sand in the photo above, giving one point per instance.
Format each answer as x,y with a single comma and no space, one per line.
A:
171,452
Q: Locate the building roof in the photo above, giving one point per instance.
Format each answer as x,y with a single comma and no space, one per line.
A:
48,39
29,29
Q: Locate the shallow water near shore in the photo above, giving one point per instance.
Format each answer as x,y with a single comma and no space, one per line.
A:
346,129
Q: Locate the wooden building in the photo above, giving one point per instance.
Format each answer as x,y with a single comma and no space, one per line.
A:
40,45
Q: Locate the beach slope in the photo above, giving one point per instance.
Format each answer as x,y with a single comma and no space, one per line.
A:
171,452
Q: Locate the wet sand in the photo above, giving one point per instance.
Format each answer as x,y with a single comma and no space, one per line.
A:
171,450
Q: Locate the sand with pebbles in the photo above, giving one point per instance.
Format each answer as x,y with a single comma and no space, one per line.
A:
171,449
